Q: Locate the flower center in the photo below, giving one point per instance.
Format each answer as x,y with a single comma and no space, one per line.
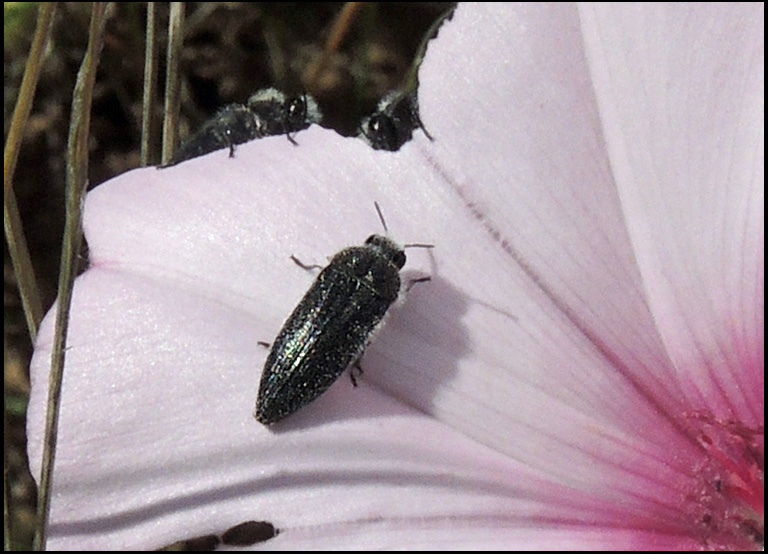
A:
730,503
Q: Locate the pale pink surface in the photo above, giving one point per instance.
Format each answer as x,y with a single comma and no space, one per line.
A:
595,199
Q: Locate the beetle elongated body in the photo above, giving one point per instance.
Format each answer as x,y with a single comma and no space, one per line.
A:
330,327
268,112
232,125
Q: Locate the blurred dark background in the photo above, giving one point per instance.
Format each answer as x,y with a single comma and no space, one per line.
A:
231,49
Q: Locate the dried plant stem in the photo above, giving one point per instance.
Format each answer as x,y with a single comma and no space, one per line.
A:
22,265
173,80
14,234
150,74
77,177
340,29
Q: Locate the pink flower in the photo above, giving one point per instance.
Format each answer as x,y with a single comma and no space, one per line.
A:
585,369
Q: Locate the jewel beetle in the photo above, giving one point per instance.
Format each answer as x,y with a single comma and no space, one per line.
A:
331,325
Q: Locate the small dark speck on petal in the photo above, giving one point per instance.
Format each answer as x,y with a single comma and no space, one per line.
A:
248,533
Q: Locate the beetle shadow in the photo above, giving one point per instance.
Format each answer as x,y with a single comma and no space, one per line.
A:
413,354
421,342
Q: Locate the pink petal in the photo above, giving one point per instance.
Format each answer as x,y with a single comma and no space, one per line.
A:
691,180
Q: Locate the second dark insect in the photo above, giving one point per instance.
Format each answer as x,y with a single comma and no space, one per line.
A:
393,122
268,112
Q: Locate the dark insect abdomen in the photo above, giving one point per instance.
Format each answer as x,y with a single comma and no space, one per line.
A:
232,125
327,331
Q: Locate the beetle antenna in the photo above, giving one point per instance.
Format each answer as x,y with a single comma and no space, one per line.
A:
381,216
